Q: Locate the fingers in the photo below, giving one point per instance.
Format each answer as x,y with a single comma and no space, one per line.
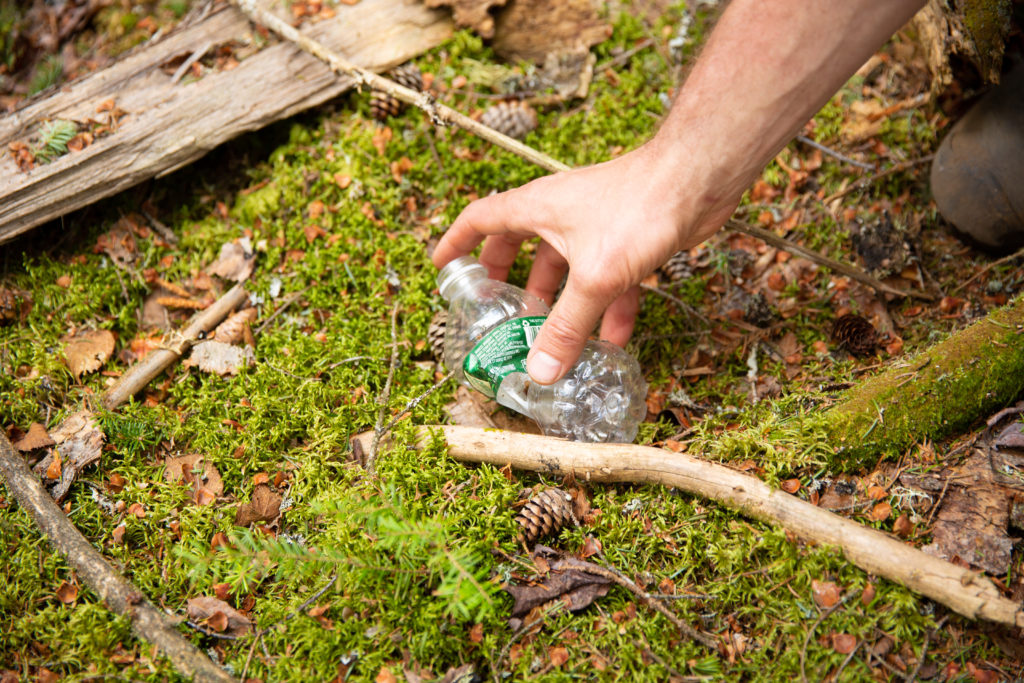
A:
494,215
499,253
617,323
546,273
563,335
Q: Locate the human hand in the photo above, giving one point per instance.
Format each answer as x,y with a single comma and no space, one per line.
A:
608,226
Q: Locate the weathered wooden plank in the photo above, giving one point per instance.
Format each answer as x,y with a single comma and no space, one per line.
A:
169,124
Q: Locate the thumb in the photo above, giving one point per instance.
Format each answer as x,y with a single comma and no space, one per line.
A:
561,338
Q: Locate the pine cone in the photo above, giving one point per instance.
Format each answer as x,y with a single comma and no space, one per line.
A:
435,334
514,119
545,513
758,311
383,105
855,333
678,267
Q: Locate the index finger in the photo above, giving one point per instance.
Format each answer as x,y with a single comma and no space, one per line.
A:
494,215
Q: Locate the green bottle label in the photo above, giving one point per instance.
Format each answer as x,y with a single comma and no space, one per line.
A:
501,352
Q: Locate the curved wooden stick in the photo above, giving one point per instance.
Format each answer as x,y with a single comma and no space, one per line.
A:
965,592
120,596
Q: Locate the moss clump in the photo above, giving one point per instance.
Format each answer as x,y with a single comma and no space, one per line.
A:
940,391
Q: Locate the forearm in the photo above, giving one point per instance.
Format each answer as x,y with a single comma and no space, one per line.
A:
767,68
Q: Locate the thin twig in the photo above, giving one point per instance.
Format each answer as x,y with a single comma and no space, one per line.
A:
625,56
863,182
439,114
385,395
411,405
834,154
912,676
192,59
814,627
289,300
676,300
811,255
164,231
1006,259
610,572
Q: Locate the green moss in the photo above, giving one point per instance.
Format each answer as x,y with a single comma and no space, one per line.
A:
936,393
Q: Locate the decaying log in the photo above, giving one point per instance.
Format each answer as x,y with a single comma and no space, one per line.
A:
169,124
120,596
938,392
158,360
965,592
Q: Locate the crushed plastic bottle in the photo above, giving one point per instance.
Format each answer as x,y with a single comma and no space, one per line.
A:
491,327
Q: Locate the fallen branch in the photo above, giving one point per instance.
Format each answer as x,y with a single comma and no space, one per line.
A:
965,592
864,182
441,114
158,360
120,596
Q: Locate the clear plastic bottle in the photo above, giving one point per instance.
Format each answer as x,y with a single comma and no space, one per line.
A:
491,326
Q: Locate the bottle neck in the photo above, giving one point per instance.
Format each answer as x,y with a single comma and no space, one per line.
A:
459,278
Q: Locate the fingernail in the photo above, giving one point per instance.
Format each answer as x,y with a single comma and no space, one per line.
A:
543,367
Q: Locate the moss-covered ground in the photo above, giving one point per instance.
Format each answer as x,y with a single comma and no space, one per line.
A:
341,212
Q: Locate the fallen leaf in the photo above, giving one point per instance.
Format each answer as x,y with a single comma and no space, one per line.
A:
231,621
558,655
902,526
118,243
791,485
67,593
89,351
1012,436
37,437
460,674
53,471
232,330
115,483
137,510
843,643
79,443
476,634
875,492
868,594
826,593
591,547
220,358
265,506
117,535
222,590
197,471
880,512
342,180
576,587
381,137
235,261
385,676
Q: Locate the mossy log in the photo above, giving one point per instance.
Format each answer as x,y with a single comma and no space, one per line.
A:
938,392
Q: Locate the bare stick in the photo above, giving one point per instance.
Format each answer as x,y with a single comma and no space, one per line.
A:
834,154
1006,259
158,360
440,114
385,395
963,591
864,182
811,255
411,405
120,596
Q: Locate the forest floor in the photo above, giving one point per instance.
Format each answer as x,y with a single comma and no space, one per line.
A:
243,491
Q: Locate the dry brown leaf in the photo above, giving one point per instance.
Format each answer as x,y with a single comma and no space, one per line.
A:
881,512
902,526
154,314
232,330
576,587
67,593
826,594
265,506
790,485
473,14
220,358
558,655
118,243
79,443
207,607
53,471
235,262
196,470
868,594
381,136
385,676
843,643
89,351
37,437
529,30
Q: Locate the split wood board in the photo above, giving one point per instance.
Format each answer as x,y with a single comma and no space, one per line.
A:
168,125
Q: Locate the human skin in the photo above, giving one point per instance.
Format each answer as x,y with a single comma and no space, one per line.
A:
768,66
